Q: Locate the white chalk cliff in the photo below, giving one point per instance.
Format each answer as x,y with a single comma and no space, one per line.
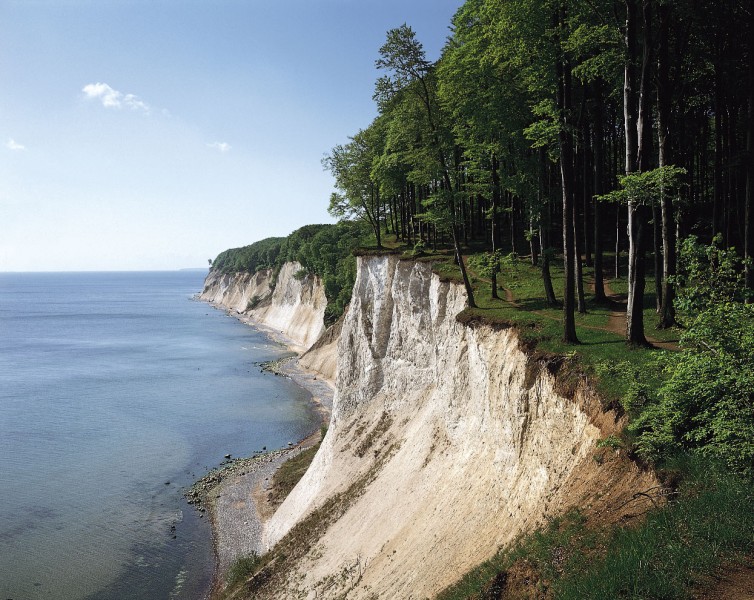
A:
447,440
459,440
294,307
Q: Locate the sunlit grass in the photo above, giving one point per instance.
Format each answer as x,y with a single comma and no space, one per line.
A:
670,555
541,325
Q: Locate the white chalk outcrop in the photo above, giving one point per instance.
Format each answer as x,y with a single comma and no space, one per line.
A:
446,442
294,307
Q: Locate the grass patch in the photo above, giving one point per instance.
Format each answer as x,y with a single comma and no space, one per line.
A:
666,557
375,434
531,565
242,569
669,556
289,474
447,271
541,325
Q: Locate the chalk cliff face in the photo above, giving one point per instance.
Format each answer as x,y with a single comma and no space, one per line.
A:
446,442
294,307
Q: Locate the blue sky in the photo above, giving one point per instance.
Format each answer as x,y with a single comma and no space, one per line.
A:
153,134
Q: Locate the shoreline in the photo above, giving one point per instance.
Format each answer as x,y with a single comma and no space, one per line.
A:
234,495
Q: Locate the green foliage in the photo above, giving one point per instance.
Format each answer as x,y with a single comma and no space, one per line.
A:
599,50
707,401
402,55
647,187
708,275
638,381
242,569
327,251
322,250
353,166
543,132
259,255
612,441
488,264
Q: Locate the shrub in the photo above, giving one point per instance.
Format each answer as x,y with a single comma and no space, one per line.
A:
253,302
242,569
707,402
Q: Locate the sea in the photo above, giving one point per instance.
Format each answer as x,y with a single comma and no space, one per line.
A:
118,391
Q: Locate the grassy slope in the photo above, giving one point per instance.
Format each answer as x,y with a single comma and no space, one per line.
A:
670,555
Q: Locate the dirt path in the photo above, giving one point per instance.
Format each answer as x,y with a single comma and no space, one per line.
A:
733,583
616,321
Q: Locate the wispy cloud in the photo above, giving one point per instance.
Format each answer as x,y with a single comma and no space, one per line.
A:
111,98
222,147
12,144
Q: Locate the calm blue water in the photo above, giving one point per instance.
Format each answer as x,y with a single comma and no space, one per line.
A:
112,385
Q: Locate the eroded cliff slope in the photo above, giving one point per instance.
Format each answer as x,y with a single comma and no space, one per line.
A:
446,442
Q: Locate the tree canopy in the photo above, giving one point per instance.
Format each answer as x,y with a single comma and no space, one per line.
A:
322,250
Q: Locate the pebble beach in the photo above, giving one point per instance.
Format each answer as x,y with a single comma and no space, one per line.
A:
234,496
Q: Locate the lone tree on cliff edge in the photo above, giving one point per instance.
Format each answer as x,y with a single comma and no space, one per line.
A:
403,56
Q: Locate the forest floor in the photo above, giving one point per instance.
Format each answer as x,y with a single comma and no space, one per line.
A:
616,322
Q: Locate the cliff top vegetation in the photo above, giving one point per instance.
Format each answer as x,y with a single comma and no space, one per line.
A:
326,251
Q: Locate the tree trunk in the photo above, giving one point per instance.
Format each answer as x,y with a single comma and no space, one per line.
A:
493,229
586,180
577,268
454,233
450,191
629,87
493,284
597,152
579,241
462,266
546,277
532,243
495,203
717,199
629,119
616,266
636,278
396,217
657,255
567,183
749,194
667,310
512,221
404,226
378,226
636,136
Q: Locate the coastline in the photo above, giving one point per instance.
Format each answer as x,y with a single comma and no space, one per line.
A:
235,494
